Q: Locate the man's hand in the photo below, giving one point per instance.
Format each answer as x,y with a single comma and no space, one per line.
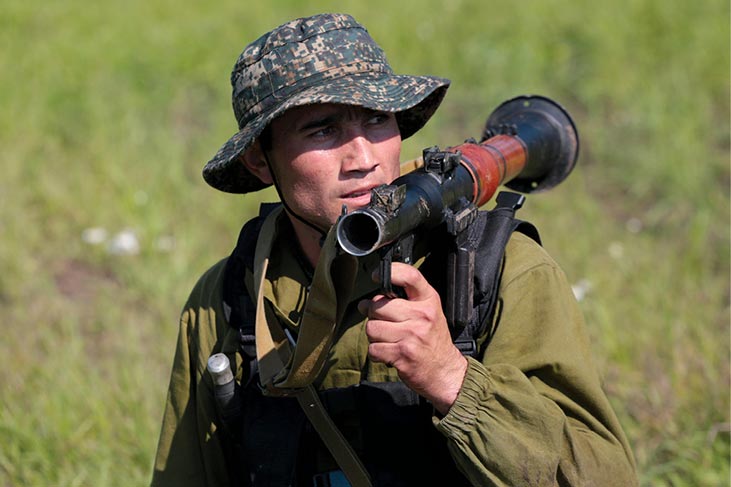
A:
412,335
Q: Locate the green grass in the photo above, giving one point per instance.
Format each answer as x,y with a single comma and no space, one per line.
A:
110,110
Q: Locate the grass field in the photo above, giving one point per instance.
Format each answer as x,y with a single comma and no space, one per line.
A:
110,110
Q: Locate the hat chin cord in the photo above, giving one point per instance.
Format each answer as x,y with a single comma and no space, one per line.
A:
322,232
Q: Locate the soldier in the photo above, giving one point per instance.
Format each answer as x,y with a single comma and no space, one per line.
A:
321,117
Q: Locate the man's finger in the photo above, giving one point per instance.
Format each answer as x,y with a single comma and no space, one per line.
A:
385,331
411,280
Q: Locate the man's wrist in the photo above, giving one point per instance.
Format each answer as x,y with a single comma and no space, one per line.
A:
453,379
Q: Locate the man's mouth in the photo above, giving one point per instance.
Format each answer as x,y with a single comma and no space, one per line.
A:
359,198
359,193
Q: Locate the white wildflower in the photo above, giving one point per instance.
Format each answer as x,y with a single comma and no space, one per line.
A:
94,235
581,289
124,243
616,250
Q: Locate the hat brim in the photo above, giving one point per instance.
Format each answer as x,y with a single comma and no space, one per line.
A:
413,99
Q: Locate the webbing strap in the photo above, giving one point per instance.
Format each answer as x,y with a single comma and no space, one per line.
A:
492,229
329,295
272,346
334,440
286,371
499,226
283,369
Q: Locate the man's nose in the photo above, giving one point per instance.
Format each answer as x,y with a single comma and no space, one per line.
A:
359,155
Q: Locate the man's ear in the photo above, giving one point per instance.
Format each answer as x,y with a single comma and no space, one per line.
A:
255,161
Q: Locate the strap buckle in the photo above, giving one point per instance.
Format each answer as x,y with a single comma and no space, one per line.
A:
468,347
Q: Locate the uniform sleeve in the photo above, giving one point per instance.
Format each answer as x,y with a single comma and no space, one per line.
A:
532,411
190,451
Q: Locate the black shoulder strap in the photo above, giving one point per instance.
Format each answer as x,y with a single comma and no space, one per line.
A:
493,230
238,305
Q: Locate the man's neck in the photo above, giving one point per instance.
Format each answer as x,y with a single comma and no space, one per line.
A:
309,240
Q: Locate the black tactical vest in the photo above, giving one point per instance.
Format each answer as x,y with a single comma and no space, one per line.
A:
388,425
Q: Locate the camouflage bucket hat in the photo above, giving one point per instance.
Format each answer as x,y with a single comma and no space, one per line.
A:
327,58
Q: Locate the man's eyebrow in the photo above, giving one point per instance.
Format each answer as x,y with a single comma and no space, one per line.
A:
318,122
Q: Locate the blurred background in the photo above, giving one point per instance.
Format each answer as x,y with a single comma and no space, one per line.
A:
110,110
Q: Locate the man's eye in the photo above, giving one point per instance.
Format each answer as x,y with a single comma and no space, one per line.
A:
322,132
378,119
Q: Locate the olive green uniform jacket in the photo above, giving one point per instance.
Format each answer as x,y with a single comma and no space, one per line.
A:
531,411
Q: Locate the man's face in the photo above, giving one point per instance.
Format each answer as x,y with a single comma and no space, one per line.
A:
326,156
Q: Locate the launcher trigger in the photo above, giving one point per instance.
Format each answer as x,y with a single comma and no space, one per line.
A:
400,251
